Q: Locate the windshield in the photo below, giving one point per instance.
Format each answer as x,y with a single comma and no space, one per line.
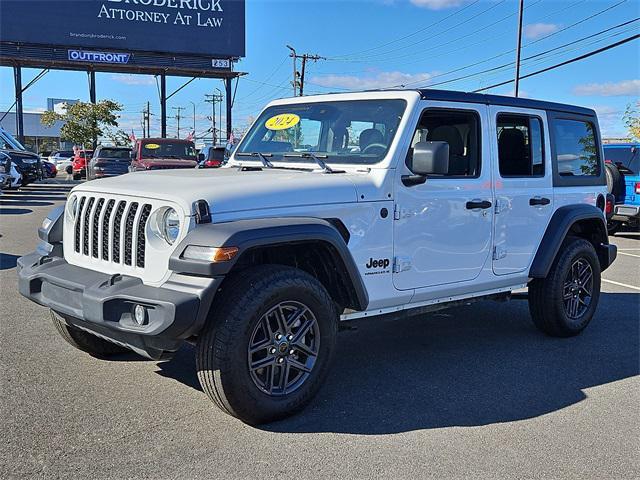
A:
119,153
7,142
178,150
354,131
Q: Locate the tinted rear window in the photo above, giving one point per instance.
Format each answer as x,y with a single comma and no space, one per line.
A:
576,149
628,157
114,153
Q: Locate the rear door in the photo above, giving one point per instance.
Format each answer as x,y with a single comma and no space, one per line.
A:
523,186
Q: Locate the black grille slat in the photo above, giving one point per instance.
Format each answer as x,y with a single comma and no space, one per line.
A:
128,232
78,223
105,229
142,239
116,231
85,234
95,237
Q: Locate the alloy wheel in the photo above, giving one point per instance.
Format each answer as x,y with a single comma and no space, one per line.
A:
283,348
577,289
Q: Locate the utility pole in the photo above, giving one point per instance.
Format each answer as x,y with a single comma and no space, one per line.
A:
146,121
213,98
194,120
178,117
298,78
517,85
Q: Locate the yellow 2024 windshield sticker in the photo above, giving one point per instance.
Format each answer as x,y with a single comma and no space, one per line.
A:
152,146
282,121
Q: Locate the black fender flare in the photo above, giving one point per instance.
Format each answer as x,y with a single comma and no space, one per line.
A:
563,219
248,234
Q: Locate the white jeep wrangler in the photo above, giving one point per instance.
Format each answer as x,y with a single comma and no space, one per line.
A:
332,208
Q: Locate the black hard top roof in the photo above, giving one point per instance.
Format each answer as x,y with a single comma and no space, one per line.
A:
454,96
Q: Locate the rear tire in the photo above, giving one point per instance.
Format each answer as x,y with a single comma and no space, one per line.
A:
84,341
563,303
240,358
77,176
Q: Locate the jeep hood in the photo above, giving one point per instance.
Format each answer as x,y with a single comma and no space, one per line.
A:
231,190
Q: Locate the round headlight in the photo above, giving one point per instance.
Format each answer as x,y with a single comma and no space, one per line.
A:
170,225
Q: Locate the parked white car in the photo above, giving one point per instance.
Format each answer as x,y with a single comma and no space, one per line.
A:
331,208
62,160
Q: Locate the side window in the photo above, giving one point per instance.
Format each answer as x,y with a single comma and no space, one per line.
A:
520,146
460,129
576,148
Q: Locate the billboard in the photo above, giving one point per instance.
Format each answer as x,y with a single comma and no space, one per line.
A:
110,31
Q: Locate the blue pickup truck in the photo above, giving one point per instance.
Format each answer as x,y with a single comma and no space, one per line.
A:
622,162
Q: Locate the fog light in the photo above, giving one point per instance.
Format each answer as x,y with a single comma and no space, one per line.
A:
140,314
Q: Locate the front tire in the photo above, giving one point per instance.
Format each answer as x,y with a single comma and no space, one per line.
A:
563,303
268,345
84,341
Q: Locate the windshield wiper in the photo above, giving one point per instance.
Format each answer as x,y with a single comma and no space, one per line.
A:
261,156
325,168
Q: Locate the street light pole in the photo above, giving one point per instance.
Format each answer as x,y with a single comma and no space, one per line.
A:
194,120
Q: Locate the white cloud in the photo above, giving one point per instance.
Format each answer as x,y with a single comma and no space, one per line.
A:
610,120
609,89
371,81
438,4
133,79
534,31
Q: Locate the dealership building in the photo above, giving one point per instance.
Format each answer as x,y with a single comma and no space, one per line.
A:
38,138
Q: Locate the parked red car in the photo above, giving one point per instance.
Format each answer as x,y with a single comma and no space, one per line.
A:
79,163
163,153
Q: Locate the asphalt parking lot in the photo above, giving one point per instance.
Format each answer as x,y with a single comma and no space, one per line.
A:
473,392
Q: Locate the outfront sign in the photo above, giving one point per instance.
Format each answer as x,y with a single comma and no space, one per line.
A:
213,28
98,57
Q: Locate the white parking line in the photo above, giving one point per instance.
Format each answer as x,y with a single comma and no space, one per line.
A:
629,254
629,249
621,284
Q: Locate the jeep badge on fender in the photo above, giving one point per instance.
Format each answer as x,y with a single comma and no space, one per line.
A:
489,194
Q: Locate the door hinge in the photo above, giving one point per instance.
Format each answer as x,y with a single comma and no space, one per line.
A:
401,264
499,252
396,212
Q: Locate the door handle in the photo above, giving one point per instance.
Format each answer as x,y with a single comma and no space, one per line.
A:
473,204
539,201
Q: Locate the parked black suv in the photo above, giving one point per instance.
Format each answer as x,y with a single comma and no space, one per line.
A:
108,162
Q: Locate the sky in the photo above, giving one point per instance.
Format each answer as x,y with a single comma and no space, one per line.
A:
388,43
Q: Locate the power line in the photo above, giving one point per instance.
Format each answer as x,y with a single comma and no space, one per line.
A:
566,62
457,12
404,47
178,117
509,64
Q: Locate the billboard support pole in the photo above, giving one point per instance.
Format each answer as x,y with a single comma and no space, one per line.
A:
17,78
163,104
92,98
227,86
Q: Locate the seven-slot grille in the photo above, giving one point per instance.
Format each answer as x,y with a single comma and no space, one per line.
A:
111,230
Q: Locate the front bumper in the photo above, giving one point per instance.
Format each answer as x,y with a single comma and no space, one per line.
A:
626,212
103,304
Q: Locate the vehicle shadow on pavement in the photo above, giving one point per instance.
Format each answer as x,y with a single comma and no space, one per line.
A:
21,203
8,261
468,366
15,211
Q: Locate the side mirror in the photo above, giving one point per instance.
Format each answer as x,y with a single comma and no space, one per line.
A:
201,157
430,158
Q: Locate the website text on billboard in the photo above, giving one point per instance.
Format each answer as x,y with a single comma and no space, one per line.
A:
213,28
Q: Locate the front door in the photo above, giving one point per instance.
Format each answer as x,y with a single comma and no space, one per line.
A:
443,226
523,186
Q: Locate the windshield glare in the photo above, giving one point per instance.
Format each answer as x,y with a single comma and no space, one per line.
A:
179,150
354,131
